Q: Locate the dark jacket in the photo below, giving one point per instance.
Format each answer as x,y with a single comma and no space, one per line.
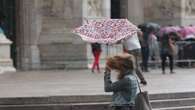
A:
96,47
124,90
167,46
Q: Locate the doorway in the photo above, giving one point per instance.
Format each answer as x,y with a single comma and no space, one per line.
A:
7,13
115,9
119,9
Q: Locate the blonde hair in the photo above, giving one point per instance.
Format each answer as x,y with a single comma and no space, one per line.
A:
121,63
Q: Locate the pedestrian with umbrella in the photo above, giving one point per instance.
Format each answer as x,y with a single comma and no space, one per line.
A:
132,46
168,49
107,31
148,43
96,50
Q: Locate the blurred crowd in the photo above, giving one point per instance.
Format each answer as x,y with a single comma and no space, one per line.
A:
161,42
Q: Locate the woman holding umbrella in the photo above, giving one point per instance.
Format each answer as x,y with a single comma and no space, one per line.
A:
96,50
168,49
132,46
110,31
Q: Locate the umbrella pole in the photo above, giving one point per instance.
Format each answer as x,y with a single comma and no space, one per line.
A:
106,50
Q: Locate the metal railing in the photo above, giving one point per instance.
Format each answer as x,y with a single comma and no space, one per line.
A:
186,53
185,56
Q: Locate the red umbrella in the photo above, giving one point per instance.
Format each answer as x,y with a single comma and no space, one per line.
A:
106,31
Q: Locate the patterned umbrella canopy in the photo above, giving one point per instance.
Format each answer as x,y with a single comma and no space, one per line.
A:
187,30
168,29
106,31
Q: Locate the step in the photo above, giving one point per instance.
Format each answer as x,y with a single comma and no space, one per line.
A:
55,100
178,95
85,98
77,106
173,102
177,108
165,101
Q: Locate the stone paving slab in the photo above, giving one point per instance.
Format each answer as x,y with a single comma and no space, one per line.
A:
83,82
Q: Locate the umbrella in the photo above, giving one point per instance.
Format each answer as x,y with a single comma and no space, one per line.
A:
153,25
168,29
106,31
190,37
149,25
187,30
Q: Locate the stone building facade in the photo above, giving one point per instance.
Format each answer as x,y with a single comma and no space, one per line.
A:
44,32
44,38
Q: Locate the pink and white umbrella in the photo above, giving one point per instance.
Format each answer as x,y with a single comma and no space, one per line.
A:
187,30
106,31
168,29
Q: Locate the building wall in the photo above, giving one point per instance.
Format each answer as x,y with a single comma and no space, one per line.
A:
44,32
58,46
135,11
45,41
164,12
170,12
188,12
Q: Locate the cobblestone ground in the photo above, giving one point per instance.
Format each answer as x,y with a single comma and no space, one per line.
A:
83,82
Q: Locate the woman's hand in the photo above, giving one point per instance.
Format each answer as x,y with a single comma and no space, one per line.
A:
107,70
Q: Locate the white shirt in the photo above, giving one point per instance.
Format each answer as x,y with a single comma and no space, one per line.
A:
132,42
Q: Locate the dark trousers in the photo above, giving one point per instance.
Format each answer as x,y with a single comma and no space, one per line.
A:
163,58
136,53
123,108
145,58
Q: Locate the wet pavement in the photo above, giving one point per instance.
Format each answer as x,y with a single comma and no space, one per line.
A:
83,82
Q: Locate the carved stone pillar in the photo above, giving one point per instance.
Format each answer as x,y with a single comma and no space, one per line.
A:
27,34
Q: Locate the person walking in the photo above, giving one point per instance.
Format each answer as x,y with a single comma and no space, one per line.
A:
168,49
154,52
96,50
145,50
125,89
132,46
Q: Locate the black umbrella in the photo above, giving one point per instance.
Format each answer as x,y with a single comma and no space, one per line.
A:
149,26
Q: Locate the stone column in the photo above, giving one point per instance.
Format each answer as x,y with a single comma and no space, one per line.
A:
27,34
